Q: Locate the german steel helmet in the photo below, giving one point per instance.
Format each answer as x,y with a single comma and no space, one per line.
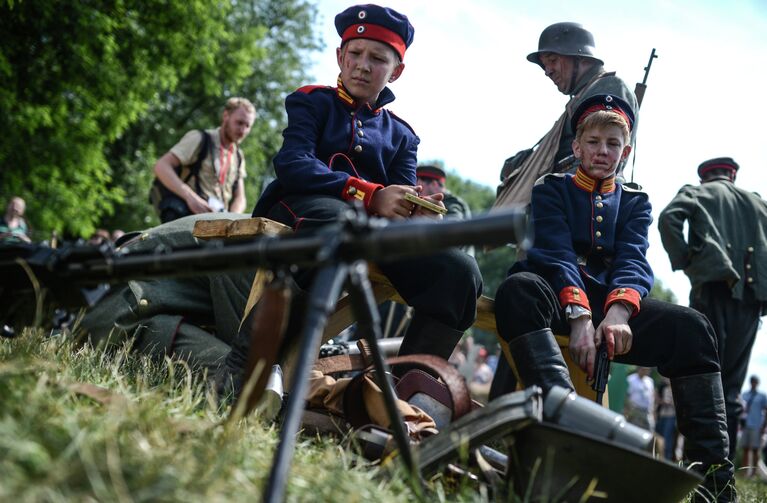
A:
567,39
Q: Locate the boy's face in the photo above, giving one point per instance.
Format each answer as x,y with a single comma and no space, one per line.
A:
600,150
366,67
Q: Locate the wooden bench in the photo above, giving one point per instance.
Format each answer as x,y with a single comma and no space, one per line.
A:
382,290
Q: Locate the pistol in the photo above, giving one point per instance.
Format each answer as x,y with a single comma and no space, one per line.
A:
601,372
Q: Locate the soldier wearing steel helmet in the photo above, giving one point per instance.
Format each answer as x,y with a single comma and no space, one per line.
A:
567,54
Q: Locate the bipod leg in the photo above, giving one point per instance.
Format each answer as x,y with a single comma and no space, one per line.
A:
323,296
369,326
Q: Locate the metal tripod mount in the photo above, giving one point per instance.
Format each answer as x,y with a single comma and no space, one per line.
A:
333,275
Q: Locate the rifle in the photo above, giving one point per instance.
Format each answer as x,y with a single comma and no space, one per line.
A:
601,372
641,87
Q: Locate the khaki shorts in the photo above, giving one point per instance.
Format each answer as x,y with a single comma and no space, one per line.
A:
751,438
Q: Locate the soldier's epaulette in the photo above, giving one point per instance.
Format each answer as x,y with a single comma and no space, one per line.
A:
309,89
543,179
633,187
400,119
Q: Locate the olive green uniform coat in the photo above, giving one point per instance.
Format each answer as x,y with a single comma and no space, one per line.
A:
194,318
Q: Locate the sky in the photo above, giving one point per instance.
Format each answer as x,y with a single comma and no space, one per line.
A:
474,100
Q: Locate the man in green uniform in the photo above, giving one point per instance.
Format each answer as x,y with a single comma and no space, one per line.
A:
432,179
725,258
193,318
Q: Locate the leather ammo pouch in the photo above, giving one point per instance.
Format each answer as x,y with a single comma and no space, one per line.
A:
426,403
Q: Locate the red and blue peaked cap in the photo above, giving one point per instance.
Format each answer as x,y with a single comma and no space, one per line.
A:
376,23
602,102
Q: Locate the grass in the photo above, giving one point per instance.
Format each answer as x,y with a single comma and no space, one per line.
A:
150,431
77,424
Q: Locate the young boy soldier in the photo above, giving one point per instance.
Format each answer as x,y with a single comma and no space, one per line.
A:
341,146
587,276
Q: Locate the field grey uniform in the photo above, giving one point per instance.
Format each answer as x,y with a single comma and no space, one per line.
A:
193,318
725,258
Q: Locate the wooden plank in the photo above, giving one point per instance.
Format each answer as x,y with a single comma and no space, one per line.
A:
238,229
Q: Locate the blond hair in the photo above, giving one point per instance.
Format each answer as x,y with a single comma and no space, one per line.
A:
601,119
236,102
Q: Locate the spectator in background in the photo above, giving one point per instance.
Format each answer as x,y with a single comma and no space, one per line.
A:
640,399
204,171
666,418
117,234
13,227
483,374
754,425
99,237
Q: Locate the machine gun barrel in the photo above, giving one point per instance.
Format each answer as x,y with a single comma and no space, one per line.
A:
375,240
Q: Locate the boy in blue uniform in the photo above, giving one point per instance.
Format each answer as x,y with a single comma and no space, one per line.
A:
587,275
341,146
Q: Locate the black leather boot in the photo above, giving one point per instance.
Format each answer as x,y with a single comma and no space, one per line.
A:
701,418
426,335
539,360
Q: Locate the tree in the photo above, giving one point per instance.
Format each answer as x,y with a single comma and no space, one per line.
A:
263,67
91,92
660,292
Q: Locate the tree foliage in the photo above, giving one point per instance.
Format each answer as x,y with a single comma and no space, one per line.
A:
660,292
91,93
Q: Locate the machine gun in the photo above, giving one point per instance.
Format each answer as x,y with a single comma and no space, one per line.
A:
78,275
338,252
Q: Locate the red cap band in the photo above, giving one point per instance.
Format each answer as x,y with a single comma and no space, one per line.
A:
716,166
375,32
433,176
596,108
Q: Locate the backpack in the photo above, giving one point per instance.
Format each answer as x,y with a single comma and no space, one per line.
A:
169,206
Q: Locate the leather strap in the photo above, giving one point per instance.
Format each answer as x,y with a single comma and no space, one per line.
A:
458,392
340,363
456,384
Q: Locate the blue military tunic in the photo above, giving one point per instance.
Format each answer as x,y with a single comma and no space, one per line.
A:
335,146
590,233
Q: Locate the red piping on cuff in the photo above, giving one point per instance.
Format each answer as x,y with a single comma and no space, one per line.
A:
357,188
173,337
627,296
573,295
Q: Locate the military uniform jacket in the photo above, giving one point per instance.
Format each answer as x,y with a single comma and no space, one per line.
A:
456,207
337,147
727,236
590,234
